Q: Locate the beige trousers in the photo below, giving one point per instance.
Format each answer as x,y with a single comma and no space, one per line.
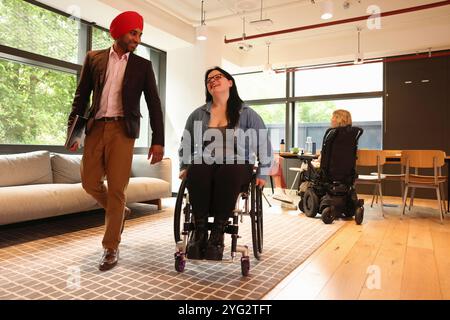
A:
108,151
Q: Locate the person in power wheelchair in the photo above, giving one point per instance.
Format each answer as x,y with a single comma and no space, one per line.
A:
330,189
221,142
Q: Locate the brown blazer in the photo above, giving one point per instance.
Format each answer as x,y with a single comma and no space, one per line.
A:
138,78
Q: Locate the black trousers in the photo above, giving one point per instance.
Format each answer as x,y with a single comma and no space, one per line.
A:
214,188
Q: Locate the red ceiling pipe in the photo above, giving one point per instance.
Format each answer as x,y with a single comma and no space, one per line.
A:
372,60
331,23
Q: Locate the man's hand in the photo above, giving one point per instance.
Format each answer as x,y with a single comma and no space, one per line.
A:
182,174
74,147
156,152
260,182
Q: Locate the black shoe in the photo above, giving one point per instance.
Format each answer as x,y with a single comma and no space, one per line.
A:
214,249
197,243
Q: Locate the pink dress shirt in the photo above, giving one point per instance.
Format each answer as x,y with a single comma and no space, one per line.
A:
111,100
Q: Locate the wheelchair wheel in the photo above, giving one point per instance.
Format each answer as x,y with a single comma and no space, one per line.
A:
301,205
328,215
310,203
181,206
256,219
245,266
359,215
260,224
180,262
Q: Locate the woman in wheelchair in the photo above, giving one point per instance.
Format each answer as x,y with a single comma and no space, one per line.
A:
221,142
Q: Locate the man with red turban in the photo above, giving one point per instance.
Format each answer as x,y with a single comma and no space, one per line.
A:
116,78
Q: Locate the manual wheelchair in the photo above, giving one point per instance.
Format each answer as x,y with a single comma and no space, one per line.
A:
249,203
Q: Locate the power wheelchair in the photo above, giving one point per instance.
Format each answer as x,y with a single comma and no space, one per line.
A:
249,202
330,190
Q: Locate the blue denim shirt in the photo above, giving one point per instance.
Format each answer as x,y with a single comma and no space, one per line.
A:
250,136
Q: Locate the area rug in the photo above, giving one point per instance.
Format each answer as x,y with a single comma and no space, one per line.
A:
58,258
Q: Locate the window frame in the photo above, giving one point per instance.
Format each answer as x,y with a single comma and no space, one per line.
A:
291,99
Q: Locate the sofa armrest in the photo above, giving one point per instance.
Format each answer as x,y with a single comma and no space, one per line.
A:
141,167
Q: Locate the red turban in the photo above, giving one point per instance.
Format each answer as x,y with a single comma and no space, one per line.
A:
125,22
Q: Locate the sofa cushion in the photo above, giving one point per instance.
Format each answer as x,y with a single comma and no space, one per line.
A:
25,169
66,168
142,189
141,167
22,203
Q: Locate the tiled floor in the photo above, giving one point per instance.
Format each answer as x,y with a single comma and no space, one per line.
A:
57,258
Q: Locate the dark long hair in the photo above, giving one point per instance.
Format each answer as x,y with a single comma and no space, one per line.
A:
234,103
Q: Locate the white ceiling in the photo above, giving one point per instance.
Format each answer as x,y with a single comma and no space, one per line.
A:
225,16
404,33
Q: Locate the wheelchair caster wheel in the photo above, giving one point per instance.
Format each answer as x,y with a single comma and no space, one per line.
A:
180,261
328,215
359,215
245,266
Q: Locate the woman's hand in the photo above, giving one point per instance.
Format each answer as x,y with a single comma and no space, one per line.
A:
182,174
260,182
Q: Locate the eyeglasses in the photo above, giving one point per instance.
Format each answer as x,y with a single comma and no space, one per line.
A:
217,77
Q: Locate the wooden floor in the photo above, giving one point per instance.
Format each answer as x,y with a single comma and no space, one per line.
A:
384,258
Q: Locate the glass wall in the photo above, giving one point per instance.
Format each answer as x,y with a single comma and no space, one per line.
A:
30,28
339,80
34,104
313,119
274,117
314,94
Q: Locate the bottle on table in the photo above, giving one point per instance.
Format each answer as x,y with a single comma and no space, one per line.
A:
282,146
308,147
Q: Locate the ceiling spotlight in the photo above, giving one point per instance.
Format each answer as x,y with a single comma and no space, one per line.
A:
202,30
327,9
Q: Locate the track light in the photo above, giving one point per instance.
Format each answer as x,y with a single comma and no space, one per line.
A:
327,9
359,57
268,70
202,30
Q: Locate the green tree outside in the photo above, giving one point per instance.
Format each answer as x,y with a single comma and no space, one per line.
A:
34,101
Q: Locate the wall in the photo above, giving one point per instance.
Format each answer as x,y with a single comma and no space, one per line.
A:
186,91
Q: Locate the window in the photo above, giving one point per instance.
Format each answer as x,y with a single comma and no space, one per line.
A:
40,58
30,28
312,119
274,117
257,86
34,104
101,39
339,80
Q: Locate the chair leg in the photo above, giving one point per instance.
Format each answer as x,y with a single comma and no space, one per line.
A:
381,199
411,200
438,193
441,189
293,183
266,199
405,194
374,195
402,188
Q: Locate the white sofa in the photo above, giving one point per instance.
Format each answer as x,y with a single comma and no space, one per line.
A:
39,184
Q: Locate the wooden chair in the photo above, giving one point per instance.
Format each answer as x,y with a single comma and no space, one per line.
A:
372,158
422,159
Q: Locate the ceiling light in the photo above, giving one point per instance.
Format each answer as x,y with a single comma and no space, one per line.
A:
202,30
327,9
262,22
268,69
359,57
